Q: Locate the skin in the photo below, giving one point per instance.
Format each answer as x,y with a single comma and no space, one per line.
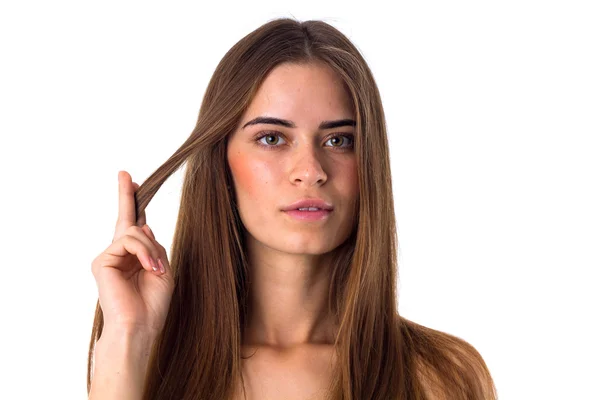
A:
289,331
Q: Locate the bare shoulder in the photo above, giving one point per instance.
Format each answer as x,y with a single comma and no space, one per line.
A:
448,367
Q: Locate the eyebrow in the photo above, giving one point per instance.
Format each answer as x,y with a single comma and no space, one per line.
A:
289,124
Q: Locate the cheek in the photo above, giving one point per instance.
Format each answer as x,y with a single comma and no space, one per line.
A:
251,176
351,180
242,173
254,187
352,189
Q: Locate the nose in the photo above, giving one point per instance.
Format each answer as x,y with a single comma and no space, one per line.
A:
307,168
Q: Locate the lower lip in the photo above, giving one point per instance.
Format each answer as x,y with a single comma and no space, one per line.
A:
308,215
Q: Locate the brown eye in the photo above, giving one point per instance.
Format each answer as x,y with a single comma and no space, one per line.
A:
271,140
338,141
274,137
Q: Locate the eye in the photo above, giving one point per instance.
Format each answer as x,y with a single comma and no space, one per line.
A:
337,140
271,138
340,139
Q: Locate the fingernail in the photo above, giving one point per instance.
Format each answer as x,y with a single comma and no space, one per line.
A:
162,267
152,264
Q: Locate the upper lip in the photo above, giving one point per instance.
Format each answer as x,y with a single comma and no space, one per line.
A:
309,202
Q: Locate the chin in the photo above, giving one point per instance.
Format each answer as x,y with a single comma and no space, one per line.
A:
305,244
297,245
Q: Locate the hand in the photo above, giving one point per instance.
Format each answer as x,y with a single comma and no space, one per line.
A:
131,293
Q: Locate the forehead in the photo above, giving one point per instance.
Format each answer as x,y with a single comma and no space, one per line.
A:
304,93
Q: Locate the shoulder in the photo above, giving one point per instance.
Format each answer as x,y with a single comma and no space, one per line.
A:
447,367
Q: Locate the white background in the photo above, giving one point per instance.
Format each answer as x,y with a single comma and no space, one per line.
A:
493,111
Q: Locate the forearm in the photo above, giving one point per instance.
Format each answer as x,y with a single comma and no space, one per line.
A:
120,362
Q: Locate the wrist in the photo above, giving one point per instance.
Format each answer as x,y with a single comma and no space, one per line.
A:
124,343
129,331
121,360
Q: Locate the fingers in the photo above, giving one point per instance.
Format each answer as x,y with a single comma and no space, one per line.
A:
149,232
135,241
127,215
164,258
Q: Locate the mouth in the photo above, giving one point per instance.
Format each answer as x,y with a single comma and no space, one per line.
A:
309,214
309,204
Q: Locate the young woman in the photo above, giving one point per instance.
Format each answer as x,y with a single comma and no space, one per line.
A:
281,283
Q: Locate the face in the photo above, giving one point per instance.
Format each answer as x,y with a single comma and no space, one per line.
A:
273,165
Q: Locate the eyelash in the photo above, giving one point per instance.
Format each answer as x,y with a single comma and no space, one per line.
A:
274,147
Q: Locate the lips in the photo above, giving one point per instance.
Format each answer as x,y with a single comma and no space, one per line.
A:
309,215
319,204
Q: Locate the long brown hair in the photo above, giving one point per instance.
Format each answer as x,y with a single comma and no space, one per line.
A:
380,354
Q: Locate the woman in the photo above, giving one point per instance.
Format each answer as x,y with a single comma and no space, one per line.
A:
281,283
